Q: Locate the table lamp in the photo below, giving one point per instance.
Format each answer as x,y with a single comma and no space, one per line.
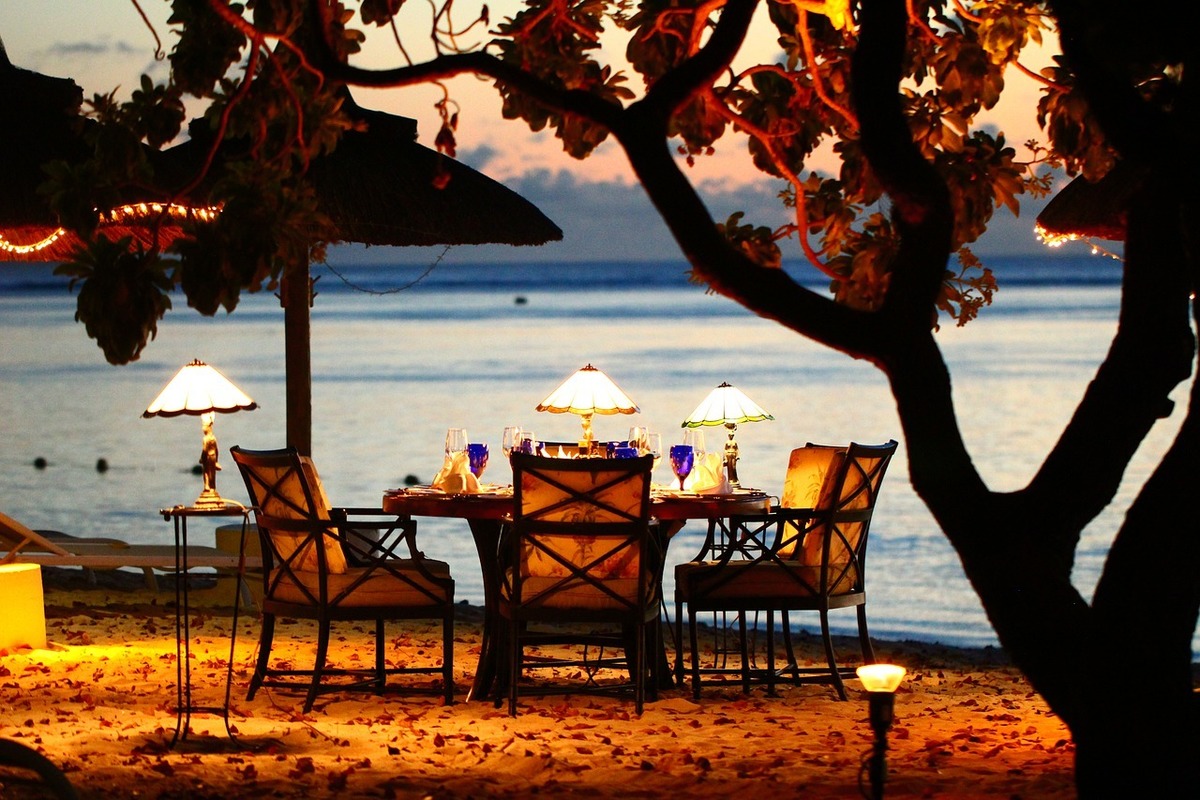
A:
727,405
198,390
589,391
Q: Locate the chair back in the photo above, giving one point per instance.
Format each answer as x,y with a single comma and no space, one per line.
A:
581,535
289,509
831,534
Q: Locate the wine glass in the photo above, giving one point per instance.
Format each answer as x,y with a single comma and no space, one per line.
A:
654,447
526,442
512,435
695,437
456,441
682,458
477,457
637,438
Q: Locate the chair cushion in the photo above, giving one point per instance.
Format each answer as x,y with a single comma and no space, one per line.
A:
809,484
806,473
540,498
622,563
381,588
753,579
577,594
286,542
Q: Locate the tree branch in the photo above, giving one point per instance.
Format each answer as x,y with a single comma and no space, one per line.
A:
676,86
571,101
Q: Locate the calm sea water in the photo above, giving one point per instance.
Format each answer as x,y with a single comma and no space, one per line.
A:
393,369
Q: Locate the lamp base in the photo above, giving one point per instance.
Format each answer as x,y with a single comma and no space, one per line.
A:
210,500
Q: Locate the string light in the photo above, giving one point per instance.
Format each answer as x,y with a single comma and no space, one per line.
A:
117,216
1059,239
25,249
140,210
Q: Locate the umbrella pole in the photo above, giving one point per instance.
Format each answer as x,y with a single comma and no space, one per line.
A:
297,297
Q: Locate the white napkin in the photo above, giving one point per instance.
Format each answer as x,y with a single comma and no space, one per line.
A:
456,477
708,476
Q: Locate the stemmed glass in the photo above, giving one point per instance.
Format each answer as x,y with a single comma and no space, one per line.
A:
637,438
526,441
477,457
456,441
695,437
654,447
512,435
682,459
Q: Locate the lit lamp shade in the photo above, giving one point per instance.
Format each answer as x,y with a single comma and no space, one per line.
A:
726,405
589,391
24,607
198,389
201,391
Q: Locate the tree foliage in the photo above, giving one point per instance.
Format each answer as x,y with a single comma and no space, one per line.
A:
262,68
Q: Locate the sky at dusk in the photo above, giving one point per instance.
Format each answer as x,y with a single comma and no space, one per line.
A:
104,45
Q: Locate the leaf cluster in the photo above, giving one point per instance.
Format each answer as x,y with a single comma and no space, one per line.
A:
124,293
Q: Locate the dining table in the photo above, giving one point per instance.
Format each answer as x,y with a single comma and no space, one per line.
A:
487,510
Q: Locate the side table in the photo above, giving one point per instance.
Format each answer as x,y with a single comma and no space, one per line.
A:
184,708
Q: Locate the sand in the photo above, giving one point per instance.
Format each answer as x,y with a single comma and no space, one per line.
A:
99,702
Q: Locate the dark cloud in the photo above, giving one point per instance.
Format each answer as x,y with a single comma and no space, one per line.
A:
92,49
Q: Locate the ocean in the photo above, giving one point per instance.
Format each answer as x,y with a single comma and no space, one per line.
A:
401,352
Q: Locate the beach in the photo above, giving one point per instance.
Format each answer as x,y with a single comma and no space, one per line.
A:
391,372
99,702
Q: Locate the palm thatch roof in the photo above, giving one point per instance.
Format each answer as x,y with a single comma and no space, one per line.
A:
42,124
1086,209
382,187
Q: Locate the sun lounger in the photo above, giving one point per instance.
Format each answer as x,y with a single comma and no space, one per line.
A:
20,544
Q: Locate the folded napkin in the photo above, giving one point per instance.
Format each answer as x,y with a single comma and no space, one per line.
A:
708,476
456,477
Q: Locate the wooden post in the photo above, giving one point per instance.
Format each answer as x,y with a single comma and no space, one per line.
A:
296,299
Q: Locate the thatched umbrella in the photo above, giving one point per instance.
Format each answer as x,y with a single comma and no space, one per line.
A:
1086,209
381,187
42,123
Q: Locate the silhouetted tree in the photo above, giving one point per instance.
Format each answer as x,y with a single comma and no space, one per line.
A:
893,87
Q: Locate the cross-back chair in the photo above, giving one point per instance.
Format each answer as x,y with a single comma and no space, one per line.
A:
582,567
815,561
331,564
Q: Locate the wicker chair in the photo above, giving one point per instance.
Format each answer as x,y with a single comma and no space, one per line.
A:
815,561
583,568
328,564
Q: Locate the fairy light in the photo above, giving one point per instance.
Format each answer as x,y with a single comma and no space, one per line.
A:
120,215
25,249
1059,239
175,210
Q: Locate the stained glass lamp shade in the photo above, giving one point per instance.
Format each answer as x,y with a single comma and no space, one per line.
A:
589,391
729,406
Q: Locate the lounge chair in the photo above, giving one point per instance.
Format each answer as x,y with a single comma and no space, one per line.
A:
20,544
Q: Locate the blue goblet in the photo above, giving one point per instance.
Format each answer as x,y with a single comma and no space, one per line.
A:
477,457
682,458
